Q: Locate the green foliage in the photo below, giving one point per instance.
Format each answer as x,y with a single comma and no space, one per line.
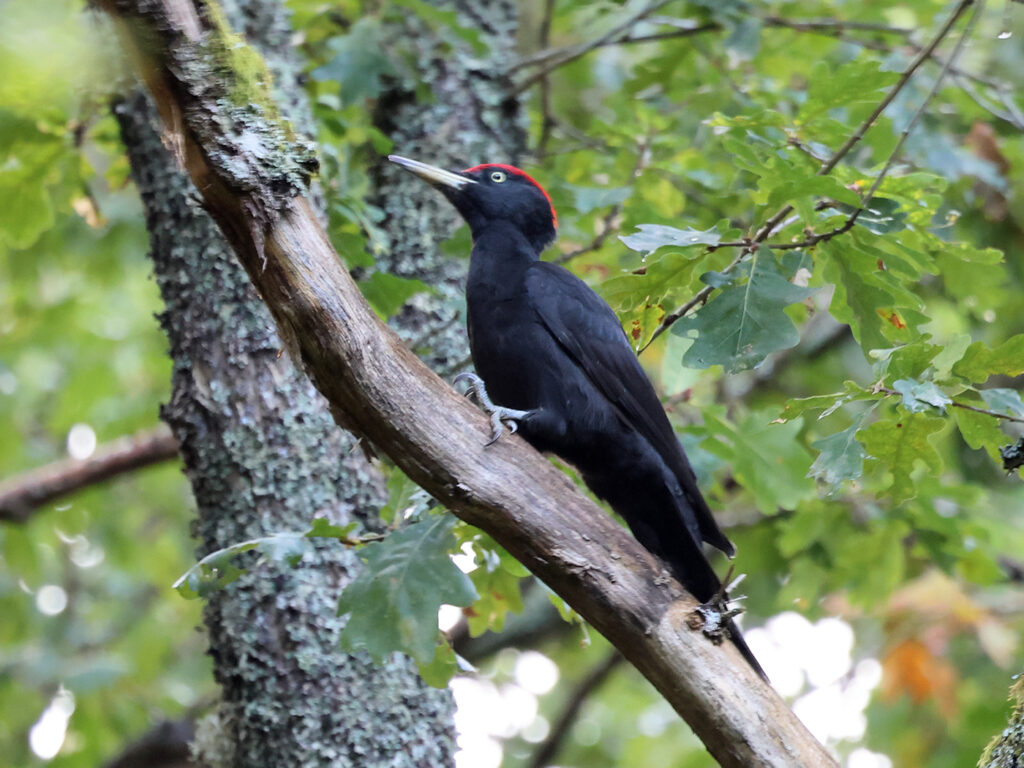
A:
765,458
840,456
851,465
900,442
394,601
746,322
216,570
651,237
359,62
388,293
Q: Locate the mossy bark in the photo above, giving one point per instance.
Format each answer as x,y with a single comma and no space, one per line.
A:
263,455
1006,750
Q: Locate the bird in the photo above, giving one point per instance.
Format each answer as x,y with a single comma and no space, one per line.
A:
553,363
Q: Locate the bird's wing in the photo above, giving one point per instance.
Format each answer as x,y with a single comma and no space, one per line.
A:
590,332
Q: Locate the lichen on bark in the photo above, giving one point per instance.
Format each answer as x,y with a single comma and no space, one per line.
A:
469,118
1006,750
263,455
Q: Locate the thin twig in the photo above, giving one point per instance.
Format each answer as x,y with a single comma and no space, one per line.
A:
608,225
749,246
699,300
829,27
22,495
866,198
963,406
575,52
547,121
862,129
548,748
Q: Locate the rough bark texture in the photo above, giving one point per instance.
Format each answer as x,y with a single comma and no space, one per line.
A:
389,396
469,119
1006,749
263,455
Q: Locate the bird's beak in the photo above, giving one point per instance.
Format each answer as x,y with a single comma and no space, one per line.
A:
438,177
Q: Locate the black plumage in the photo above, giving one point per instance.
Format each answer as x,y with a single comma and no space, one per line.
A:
558,366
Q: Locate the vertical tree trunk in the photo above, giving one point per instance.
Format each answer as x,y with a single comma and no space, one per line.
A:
263,455
469,120
1006,750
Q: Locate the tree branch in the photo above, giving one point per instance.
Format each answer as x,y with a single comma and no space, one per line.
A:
23,494
826,167
593,680
574,52
384,392
963,406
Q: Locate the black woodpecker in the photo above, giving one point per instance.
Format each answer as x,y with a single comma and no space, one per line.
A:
555,365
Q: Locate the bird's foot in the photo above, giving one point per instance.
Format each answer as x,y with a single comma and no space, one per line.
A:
712,618
500,416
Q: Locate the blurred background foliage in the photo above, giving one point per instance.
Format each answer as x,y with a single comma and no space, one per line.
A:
880,535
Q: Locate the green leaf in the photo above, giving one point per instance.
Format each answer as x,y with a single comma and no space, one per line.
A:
394,602
217,570
880,216
767,458
587,199
745,322
441,669
899,444
809,523
25,214
651,237
447,21
919,395
388,293
405,498
875,303
322,528
979,362
641,322
907,361
841,456
850,83
980,430
828,404
497,580
359,62
670,275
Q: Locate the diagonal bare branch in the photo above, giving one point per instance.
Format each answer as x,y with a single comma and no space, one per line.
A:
384,392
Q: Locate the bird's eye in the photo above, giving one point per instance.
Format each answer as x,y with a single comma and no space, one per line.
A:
498,176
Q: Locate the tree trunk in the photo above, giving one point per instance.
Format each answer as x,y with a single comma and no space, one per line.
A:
470,119
263,455
1006,750
255,189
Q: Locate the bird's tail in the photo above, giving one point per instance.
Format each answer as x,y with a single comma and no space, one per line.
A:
741,645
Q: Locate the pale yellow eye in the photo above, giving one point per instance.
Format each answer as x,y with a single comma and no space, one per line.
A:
498,176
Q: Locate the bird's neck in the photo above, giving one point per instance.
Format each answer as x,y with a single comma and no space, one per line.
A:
497,230
500,253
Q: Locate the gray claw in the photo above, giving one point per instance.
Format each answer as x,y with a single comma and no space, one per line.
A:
500,417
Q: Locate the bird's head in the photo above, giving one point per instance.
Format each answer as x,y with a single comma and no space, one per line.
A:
489,193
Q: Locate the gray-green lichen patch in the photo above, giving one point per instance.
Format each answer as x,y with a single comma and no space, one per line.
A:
465,118
225,88
263,455
1007,748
